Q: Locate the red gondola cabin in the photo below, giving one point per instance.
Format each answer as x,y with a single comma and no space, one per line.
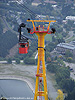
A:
23,41
23,49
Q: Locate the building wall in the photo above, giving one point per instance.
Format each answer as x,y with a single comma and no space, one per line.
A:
35,4
62,50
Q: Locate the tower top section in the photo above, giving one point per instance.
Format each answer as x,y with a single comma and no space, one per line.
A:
42,29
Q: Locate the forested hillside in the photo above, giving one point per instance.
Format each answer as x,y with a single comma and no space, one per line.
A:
7,39
14,12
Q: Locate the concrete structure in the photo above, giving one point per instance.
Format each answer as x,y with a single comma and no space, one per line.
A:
36,3
51,2
62,47
40,17
64,21
72,42
70,18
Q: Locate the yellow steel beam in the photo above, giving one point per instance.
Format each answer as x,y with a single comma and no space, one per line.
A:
41,20
41,59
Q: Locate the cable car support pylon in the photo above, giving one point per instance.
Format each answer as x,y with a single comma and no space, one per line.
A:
41,70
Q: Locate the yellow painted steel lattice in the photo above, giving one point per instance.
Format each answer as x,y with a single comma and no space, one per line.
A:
41,70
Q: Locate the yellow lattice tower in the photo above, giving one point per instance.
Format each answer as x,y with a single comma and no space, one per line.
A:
60,95
41,70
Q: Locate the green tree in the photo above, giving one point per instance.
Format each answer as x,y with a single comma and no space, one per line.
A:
69,59
55,58
67,84
1,26
9,60
29,61
25,60
66,10
7,41
71,96
17,60
64,34
62,73
52,67
48,60
68,53
60,62
60,95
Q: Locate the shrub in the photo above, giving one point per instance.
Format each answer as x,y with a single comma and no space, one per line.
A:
9,61
17,60
29,61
